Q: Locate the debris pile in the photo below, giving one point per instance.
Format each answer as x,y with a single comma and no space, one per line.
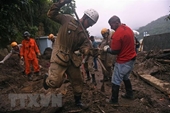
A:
147,98
155,63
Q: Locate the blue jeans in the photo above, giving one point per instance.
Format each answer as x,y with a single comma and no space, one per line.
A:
122,72
95,63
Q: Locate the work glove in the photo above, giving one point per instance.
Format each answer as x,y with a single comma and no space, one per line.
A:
1,62
105,48
22,58
38,55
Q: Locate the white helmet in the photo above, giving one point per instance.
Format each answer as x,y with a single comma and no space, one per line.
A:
135,32
93,14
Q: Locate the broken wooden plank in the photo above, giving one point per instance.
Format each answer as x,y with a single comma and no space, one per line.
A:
163,61
157,83
163,55
166,50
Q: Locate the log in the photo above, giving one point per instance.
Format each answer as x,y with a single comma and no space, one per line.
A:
158,84
163,61
166,50
163,55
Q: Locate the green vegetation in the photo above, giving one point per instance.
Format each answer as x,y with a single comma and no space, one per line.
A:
18,16
159,26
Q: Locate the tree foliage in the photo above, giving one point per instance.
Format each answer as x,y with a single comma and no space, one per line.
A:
18,16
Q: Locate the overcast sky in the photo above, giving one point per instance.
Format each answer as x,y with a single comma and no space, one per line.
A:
134,13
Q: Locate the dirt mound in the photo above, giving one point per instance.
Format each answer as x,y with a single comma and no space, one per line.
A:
11,66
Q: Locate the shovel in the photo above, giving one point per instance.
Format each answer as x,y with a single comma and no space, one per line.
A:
105,73
102,88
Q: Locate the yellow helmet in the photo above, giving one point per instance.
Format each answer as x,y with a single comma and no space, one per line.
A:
13,44
51,36
104,30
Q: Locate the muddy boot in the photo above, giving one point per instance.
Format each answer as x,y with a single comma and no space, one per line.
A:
129,92
44,82
115,94
94,79
88,75
78,102
30,77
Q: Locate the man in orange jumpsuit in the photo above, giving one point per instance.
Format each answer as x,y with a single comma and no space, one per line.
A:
28,53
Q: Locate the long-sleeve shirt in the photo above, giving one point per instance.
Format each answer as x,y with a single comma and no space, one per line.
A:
29,49
13,51
70,36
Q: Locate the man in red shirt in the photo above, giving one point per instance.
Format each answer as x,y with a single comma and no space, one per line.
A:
122,45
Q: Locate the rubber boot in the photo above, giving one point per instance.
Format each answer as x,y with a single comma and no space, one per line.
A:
129,92
78,102
44,82
115,94
88,75
93,79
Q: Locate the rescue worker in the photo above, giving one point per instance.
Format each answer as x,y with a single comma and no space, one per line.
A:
15,50
70,38
107,59
94,46
28,53
122,45
89,64
137,43
52,38
89,68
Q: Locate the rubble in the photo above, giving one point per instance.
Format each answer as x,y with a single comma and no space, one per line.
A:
147,99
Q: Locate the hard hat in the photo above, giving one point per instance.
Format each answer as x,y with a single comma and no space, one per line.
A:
135,32
26,34
51,36
13,44
91,13
104,30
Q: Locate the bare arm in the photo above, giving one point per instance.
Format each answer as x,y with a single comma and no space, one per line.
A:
7,57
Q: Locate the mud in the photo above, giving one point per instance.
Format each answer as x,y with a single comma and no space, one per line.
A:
147,99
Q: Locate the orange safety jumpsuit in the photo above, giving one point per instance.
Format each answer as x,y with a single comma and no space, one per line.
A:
28,51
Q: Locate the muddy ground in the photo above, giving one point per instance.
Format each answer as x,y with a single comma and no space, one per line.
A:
147,99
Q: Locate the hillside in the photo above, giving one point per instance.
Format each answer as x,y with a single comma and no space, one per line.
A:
158,26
